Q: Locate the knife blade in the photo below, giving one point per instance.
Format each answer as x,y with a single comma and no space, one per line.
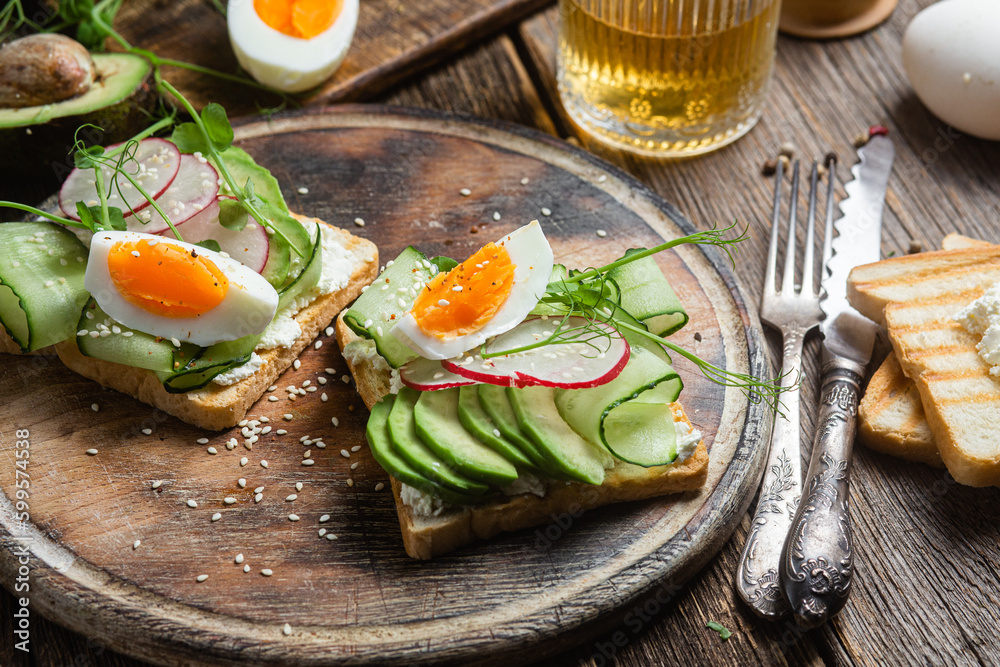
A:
817,561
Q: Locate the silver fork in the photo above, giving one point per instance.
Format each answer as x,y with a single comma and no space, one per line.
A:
794,312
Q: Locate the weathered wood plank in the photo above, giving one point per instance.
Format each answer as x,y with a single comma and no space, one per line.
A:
925,591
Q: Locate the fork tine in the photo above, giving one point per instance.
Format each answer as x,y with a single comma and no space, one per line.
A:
807,263
772,250
788,281
831,170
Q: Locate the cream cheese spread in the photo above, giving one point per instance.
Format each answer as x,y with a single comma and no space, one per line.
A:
234,375
982,317
361,350
525,483
421,503
687,440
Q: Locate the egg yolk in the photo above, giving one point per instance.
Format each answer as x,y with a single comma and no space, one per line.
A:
464,299
166,280
298,18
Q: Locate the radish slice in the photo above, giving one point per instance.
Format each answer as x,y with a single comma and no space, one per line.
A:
155,165
248,246
193,190
570,365
428,375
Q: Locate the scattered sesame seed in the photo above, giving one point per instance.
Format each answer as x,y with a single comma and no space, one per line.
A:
288,416
524,181
272,387
496,215
246,568
379,486
465,192
355,465
229,500
263,463
239,559
602,178
356,448
242,482
308,462
303,191
287,629
350,482
192,503
135,545
94,406
345,453
155,485
201,578
266,572
273,399
321,380
359,222
322,532
318,344
296,364
293,517
546,211
291,498
212,450
265,430
323,397
92,452
331,536
202,441
243,423
243,461
331,371
147,431
175,342
443,302
601,233
281,431
216,516
231,444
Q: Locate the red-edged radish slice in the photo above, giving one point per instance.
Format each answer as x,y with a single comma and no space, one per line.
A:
248,246
428,374
193,190
154,166
570,365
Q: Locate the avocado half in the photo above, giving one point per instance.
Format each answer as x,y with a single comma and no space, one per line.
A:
39,140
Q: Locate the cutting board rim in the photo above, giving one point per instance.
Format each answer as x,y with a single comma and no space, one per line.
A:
121,613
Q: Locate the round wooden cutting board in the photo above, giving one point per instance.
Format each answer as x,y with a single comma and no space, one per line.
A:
397,177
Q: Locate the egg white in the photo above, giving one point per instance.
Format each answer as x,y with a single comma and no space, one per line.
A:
247,308
289,63
531,254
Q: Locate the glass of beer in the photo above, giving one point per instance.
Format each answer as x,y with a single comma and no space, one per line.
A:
666,78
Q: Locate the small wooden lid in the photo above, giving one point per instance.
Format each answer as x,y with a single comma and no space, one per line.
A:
808,27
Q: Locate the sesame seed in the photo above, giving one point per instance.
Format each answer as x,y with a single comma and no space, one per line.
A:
524,181
331,536
496,215
259,489
272,387
231,444
192,503
288,416
155,485
355,465
443,302
213,450
345,453
359,222
266,572
323,397
265,430
243,461
175,342
602,178
320,444
229,500
303,191
94,406
246,568
322,532
202,441
92,452
135,253
239,559
135,545
601,233
201,578
321,380
293,517
216,516
546,211
465,192
350,482
242,482
296,364
379,486
318,344
291,498
281,431
331,371
334,421
263,463
287,629
147,431
258,497
273,399
308,462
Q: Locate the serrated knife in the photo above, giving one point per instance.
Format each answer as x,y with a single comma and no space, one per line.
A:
817,562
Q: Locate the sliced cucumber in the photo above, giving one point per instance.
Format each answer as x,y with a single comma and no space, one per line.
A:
478,423
377,310
128,346
587,410
210,362
406,442
310,275
377,434
538,416
494,402
438,425
41,283
648,296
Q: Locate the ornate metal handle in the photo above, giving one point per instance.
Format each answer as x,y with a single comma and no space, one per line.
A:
757,575
817,562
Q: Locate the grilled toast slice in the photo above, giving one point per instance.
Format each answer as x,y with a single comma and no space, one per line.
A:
425,537
916,297
891,416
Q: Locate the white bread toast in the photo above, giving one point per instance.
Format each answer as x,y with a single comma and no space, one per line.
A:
891,416
425,537
216,407
916,297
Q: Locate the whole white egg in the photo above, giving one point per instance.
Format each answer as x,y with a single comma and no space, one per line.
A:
951,52
172,289
290,64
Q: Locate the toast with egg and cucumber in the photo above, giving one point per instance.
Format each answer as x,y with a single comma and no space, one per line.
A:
180,280
507,390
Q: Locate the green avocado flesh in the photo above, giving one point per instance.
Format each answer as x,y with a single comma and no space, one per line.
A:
118,75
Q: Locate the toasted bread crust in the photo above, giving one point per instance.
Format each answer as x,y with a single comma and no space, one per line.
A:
427,537
218,407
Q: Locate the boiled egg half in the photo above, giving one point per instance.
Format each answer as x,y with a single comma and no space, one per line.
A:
291,45
177,290
484,296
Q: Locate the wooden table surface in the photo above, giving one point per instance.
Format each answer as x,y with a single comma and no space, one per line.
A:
927,588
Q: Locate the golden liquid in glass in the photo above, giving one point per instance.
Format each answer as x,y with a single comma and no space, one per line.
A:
668,78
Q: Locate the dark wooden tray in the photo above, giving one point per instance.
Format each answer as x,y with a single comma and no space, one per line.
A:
360,598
